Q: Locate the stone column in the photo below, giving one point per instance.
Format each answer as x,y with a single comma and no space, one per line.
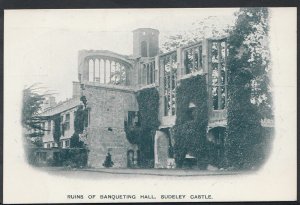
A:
161,90
225,64
156,70
219,76
161,150
180,64
207,68
104,60
85,70
110,71
205,55
99,69
94,73
193,53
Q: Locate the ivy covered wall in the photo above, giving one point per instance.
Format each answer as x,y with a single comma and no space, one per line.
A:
189,131
143,134
249,96
57,129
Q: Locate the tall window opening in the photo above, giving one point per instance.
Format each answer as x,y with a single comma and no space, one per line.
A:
97,70
108,71
193,59
91,70
144,49
102,71
219,75
169,65
62,125
67,122
49,126
147,73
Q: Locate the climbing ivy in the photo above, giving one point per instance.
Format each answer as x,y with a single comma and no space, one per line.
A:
143,135
80,122
80,119
148,101
249,97
190,133
57,129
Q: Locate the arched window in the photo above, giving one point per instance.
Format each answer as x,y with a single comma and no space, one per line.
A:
144,49
91,70
108,71
102,71
113,72
97,71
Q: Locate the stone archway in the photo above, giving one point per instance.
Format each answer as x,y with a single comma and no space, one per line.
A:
215,141
130,158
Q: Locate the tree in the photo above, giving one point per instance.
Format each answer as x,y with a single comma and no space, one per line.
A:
211,26
80,123
249,96
32,102
249,51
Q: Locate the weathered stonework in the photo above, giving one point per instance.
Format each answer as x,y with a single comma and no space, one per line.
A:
161,149
108,110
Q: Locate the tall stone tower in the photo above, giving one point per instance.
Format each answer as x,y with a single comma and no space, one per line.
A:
145,42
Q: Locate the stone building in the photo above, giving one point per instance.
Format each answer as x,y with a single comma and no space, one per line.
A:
109,82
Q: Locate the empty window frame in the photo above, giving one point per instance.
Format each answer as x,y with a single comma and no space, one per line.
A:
193,59
49,126
219,75
103,70
169,65
91,70
67,143
147,73
67,121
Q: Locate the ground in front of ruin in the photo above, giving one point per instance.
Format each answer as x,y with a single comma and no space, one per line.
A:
114,173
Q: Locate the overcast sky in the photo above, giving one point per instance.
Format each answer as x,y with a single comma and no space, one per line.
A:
43,44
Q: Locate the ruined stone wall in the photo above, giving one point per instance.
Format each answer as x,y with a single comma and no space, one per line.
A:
108,109
161,150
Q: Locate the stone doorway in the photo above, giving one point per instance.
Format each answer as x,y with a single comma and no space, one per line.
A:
163,151
130,158
215,139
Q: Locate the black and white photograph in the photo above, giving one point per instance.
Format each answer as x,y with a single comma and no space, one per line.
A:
150,105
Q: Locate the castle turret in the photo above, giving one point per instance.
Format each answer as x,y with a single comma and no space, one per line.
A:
145,42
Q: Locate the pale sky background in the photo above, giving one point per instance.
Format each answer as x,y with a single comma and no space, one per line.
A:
45,43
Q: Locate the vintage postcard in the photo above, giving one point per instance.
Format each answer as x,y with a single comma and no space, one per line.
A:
150,105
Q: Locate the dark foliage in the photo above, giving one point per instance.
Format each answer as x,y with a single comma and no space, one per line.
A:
148,100
32,102
75,141
73,157
57,129
80,123
143,135
81,119
190,134
247,62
